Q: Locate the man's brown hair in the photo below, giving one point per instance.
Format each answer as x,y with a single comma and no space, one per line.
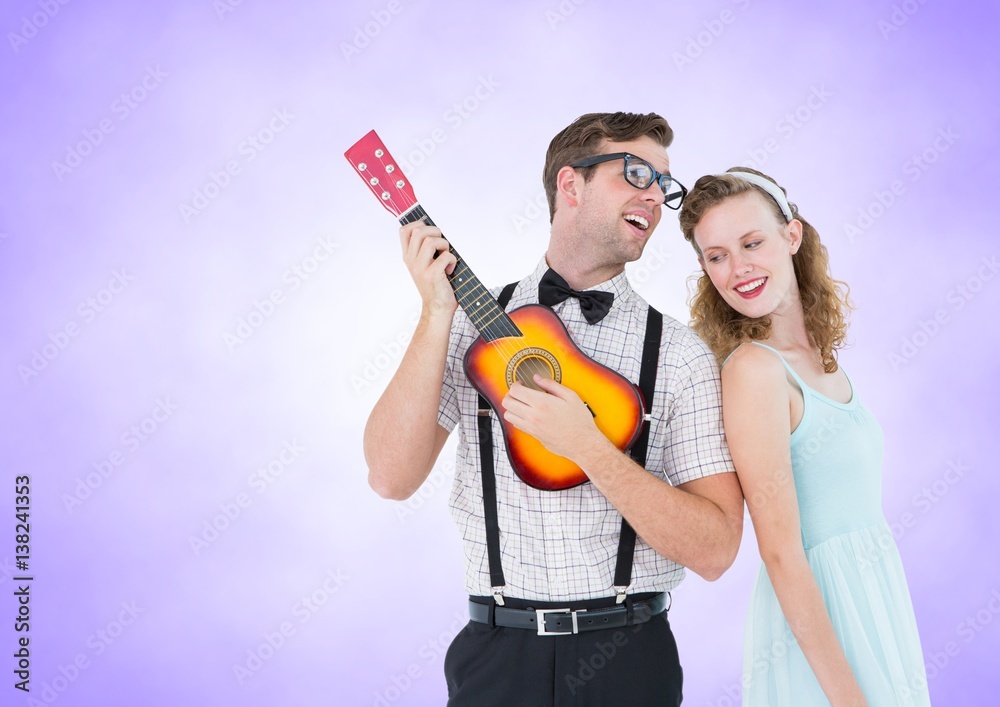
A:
583,137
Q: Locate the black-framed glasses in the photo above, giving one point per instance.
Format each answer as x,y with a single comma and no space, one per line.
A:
640,174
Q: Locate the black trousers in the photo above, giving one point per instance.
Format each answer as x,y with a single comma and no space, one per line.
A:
634,666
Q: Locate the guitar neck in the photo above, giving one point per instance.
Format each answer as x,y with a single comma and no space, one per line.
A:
482,307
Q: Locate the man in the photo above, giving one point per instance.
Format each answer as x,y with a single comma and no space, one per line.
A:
569,549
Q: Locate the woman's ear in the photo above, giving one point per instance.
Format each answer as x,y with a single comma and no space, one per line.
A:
795,235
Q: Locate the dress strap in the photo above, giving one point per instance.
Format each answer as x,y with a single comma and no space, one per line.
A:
803,386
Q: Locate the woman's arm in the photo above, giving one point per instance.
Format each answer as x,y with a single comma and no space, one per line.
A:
755,410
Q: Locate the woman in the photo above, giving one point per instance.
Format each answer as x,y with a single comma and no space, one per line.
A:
830,619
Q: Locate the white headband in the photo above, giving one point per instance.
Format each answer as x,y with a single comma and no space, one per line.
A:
767,185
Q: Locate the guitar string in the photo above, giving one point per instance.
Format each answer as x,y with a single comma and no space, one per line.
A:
506,329
477,316
531,364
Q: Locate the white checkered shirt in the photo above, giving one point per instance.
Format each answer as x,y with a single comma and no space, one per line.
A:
562,545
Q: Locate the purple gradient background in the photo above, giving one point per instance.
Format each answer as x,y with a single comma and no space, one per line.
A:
295,380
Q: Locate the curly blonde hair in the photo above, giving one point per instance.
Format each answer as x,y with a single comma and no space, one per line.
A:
825,301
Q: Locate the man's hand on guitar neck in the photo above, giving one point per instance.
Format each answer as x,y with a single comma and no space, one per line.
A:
426,255
402,437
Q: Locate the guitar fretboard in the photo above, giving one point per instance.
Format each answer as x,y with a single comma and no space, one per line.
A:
482,307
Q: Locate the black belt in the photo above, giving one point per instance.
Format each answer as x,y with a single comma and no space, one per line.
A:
564,621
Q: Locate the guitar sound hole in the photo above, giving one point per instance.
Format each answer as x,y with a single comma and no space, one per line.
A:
529,367
527,363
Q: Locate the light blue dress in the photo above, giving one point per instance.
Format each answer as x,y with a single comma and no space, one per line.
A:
837,468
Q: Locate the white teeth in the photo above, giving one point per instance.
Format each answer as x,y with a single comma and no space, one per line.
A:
751,286
638,220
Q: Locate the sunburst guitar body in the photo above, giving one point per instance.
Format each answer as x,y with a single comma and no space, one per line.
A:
514,346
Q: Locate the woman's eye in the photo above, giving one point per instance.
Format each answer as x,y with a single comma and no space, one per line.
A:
753,244
715,258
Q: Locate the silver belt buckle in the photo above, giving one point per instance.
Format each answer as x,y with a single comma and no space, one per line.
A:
540,614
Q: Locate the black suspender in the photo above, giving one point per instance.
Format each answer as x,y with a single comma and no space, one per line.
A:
626,543
497,581
647,384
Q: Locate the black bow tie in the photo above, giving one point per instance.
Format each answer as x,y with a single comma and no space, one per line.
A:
594,304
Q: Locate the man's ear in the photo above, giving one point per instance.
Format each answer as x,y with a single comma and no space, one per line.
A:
568,184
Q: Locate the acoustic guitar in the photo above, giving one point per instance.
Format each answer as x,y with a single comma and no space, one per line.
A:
514,346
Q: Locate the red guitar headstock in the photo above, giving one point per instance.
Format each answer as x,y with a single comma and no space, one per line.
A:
373,163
